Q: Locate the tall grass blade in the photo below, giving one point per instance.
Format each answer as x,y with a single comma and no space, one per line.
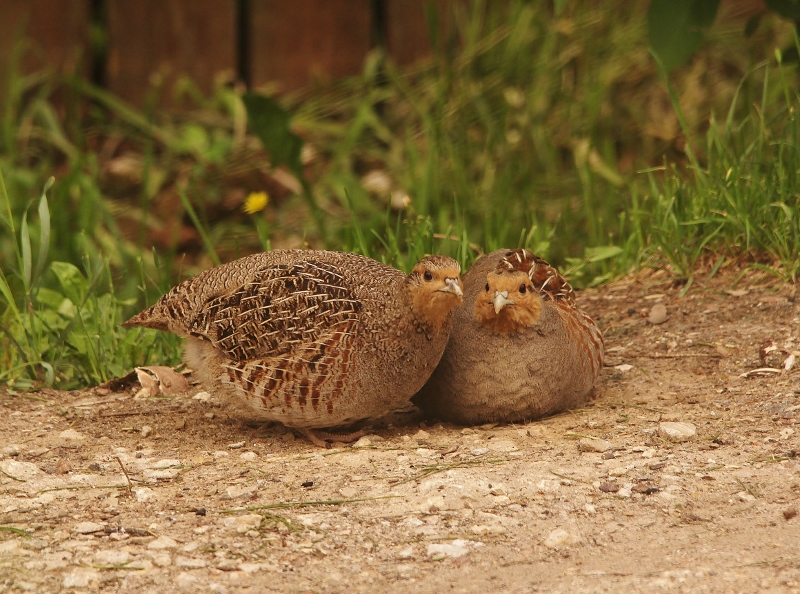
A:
44,231
200,227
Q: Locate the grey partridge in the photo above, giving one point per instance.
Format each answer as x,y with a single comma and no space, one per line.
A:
312,339
520,348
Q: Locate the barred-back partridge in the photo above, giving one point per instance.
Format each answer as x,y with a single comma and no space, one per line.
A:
312,339
520,348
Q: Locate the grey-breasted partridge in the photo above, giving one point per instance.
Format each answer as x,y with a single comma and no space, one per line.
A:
312,339
520,347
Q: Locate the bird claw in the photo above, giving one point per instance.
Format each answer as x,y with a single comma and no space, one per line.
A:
325,439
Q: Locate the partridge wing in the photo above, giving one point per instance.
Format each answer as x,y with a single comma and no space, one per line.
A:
281,310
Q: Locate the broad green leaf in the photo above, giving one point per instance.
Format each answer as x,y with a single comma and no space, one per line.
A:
71,279
676,28
603,252
272,125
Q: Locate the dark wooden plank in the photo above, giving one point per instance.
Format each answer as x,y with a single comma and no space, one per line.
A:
408,38
56,34
293,42
164,39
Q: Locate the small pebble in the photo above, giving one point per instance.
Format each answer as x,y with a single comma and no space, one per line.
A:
237,445
677,432
587,444
146,431
88,528
458,548
658,314
559,538
71,434
609,487
363,442
162,542
789,513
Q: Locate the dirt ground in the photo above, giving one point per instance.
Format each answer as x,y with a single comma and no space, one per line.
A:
596,500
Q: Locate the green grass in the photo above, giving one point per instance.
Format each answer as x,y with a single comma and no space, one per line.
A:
554,133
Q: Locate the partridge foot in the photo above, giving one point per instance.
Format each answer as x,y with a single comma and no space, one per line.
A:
325,439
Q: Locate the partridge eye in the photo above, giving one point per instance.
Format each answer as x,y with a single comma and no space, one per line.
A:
427,276
522,288
487,287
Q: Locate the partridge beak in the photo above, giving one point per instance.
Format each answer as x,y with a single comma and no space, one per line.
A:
451,286
501,300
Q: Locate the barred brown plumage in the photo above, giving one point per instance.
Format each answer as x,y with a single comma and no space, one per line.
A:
310,338
520,347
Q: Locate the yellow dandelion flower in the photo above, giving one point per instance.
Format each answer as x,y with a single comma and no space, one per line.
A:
255,202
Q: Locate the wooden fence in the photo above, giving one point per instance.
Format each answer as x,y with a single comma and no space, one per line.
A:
126,45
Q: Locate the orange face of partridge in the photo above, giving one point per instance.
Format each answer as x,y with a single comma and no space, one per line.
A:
508,304
435,289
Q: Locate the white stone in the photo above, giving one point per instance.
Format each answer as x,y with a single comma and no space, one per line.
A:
363,442
658,314
146,431
161,558
250,567
406,553
559,538
87,528
9,546
190,562
587,444
111,557
348,492
20,470
237,491
162,542
248,456
71,434
144,494
202,396
677,432
80,578
187,580
455,549
168,463
503,445
248,522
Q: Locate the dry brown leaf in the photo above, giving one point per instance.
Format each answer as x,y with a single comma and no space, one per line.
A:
159,379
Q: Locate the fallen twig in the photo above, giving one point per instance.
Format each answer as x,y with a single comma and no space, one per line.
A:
293,504
125,472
